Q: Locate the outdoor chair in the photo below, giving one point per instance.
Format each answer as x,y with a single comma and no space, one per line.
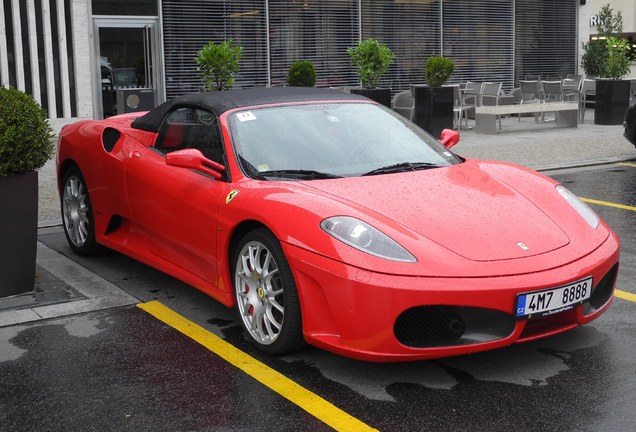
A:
572,88
403,104
552,92
491,95
588,88
462,104
531,93
472,92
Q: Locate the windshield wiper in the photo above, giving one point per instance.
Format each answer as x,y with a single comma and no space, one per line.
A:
298,174
401,167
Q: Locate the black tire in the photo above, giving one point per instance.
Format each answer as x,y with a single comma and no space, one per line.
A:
266,298
77,214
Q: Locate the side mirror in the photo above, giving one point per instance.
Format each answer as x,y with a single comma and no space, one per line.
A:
194,159
449,138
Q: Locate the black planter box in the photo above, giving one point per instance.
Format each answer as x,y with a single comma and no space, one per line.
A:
612,100
433,110
380,95
18,231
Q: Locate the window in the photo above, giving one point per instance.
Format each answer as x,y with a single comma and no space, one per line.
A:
545,38
188,25
125,7
478,36
191,128
411,29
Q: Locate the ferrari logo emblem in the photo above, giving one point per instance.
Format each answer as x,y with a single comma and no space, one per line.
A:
523,247
260,292
231,196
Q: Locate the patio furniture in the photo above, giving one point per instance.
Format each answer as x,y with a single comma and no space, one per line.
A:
463,103
490,95
530,94
403,104
553,91
572,88
588,88
486,116
472,92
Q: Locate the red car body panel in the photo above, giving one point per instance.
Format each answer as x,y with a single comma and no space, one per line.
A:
463,225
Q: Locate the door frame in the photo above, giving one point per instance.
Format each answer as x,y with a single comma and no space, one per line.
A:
155,54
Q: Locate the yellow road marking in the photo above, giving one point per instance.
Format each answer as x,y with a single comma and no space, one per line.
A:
625,295
295,393
627,164
608,204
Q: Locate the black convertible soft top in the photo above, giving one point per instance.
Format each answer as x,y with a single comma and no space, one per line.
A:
220,102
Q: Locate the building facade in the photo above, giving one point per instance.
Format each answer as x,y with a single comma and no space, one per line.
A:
95,58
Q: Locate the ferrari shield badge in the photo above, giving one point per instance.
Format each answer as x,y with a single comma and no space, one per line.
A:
231,196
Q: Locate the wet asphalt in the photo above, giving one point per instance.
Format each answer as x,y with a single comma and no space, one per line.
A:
119,369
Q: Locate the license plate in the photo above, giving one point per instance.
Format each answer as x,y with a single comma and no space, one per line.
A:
553,300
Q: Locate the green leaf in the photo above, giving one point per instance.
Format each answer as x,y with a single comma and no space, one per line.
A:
371,59
217,64
25,133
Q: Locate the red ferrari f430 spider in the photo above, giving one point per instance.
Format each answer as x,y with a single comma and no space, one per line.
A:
325,218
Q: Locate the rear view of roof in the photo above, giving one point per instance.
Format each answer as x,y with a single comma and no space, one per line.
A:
220,102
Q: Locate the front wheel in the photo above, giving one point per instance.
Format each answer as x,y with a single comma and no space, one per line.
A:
266,294
77,214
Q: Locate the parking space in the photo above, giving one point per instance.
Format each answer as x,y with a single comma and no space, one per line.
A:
181,362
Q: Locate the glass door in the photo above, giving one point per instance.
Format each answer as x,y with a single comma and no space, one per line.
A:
127,72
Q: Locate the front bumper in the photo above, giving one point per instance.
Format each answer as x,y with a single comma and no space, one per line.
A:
353,312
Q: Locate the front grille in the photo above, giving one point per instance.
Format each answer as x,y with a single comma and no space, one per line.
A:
439,326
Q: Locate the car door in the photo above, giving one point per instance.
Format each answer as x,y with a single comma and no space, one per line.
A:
175,209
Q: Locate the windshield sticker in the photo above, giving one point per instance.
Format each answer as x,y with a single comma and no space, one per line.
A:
245,116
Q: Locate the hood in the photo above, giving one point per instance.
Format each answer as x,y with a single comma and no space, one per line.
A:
461,208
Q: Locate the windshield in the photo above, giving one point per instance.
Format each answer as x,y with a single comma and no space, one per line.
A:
317,141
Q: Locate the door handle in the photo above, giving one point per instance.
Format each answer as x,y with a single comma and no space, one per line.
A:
135,154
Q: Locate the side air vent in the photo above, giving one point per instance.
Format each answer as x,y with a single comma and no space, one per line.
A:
110,137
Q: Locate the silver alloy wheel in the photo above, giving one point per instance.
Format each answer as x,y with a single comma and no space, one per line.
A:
259,292
75,210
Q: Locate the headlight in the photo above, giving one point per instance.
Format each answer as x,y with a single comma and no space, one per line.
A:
583,209
364,237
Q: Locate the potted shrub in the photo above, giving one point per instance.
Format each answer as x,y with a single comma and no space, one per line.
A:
217,64
25,146
612,92
608,59
371,60
302,74
433,110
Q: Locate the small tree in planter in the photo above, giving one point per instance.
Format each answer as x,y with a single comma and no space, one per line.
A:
25,146
217,64
594,58
302,74
433,110
595,52
371,60
610,61
618,62
438,70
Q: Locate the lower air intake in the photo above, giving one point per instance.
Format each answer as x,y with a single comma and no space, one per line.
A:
441,326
